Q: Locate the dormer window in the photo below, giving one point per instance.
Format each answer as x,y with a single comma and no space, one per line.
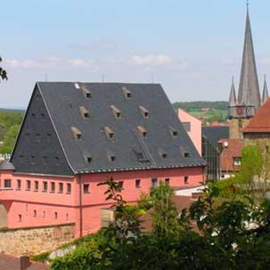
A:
109,133
88,158
162,154
142,131
144,112
76,133
112,157
116,111
84,112
126,92
173,132
184,152
86,92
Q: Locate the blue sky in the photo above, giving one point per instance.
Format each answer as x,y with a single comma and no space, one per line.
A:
192,48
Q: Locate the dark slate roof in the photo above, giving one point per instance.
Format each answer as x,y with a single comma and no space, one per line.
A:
6,166
63,100
215,134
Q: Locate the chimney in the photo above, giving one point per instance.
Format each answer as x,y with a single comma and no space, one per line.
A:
24,262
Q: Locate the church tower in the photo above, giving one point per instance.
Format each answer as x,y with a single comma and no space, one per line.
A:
242,109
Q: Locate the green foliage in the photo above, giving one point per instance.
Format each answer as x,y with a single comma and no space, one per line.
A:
42,257
198,105
3,73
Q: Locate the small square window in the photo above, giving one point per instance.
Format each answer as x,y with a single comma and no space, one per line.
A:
138,183
7,183
167,181
86,188
186,155
121,184
186,179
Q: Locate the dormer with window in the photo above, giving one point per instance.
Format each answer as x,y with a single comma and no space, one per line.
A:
184,152
84,112
86,92
142,131
111,157
116,112
88,158
173,132
126,92
162,153
109,133
76,133
144,112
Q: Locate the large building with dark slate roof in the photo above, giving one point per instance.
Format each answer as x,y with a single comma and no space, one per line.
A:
76,135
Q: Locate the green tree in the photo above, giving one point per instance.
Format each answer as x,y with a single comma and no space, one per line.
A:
3,73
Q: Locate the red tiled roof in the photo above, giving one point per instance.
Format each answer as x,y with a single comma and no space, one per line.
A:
8,262
233,150
260,123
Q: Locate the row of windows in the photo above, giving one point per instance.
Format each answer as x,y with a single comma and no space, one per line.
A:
35,186
35,214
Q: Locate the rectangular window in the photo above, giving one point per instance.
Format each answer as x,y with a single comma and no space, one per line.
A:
186,180
121,184
52,187
45,187
28,185
68,188
7,183
61,188
154,182
19,184
36,186
86,188
138,183
167,181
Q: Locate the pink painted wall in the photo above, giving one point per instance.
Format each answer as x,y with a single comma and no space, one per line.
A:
67,206
195,132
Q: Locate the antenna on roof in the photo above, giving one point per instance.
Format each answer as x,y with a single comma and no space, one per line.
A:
46,76
103,78
152,79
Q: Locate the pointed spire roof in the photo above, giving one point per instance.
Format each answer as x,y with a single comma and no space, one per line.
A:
265,91
232,100
249,92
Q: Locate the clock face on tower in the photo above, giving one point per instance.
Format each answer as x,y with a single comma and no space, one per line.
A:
240,111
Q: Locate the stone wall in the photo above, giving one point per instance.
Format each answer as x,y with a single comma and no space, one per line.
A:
3,216
236,127
30,241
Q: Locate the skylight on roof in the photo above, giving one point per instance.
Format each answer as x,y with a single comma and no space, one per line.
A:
126,92
84,112
109,133
142,131
116,111
76,133
144,112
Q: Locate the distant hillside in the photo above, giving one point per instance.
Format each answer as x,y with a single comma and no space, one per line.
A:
199,105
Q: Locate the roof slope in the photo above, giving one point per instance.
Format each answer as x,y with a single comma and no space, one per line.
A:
260,123
64,102
214,134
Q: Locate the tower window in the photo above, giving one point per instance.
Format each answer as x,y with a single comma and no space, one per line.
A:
126,92
142,131
84,113
76,133
7,183
144,112
116,112
109,133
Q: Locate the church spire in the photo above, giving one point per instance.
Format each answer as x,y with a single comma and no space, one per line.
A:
265,91
232,100
249,93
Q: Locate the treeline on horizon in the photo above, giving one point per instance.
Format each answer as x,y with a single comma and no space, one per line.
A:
198,105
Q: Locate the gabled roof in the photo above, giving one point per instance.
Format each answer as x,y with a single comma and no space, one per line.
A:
249,93
260,123
88,143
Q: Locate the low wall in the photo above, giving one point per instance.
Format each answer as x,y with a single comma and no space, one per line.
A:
30,241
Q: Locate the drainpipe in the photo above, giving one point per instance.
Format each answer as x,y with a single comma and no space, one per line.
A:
80,205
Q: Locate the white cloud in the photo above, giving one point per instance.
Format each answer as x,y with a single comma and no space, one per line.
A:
151,60
13,63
